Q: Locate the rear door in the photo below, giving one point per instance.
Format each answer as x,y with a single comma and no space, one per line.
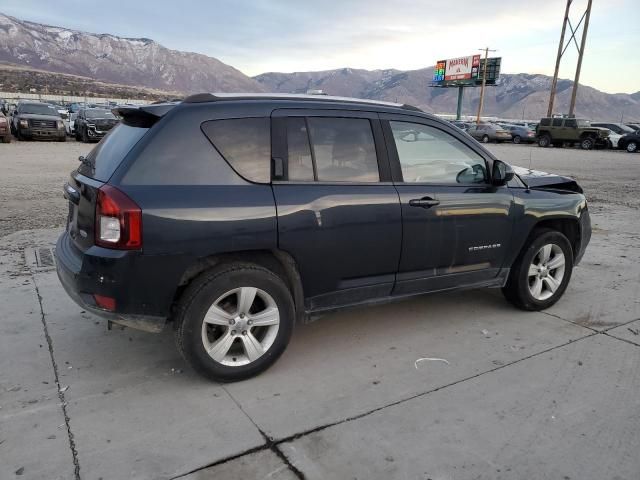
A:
338,211
456,225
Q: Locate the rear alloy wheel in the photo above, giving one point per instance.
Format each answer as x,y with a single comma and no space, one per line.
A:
517,139
632,147
544,141
587,143
541,272
485,139
234,322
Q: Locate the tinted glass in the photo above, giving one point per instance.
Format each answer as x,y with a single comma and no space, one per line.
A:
38,109
299,152
245,143
103,160
557,122
571,122
545,122
344,149
99,114
430,155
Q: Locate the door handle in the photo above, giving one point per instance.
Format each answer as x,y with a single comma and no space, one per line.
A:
425,202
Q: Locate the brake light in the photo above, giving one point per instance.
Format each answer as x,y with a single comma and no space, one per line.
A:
118,220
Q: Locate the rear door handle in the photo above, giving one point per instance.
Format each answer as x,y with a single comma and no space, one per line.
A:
425,202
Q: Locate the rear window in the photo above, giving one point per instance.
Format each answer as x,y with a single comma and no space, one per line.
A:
103,160
245,143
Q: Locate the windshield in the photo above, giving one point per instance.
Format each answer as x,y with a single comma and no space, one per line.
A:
39,109
99,114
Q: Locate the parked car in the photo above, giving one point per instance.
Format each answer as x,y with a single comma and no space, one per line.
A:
464,126
236,216
91,124
557,131
630,142
619,128
613,139
71,124
37,120
5,130
520,134
489,132
633,126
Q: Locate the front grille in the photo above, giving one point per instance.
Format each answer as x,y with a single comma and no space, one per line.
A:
42,123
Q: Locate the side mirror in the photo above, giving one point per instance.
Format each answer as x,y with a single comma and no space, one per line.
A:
501,174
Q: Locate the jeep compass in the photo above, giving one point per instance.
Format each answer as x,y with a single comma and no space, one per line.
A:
232,217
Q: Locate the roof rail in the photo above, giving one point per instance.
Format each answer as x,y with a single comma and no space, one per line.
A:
211,97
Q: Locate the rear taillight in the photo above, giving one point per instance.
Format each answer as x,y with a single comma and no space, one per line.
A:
118,220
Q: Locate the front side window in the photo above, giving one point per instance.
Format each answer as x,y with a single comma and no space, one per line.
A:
571,123
429,155
245,143
557,122
343,149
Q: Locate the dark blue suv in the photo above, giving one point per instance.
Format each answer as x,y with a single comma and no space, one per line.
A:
235,216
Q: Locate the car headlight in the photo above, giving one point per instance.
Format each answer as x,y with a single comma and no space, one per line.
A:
24,123
60,124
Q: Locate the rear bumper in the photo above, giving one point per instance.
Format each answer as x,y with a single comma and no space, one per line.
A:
105,272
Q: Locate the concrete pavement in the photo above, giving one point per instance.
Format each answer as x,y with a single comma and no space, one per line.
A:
521,395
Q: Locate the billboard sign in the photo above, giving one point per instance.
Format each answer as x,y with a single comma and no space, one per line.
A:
465,71
462,68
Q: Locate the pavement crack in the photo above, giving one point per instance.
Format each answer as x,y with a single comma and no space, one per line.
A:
61,390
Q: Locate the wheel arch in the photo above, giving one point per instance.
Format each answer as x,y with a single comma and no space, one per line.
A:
277,261
568,226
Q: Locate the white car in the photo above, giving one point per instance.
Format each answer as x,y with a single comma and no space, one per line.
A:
613,138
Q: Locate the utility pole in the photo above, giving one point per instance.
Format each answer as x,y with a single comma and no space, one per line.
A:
562,48
484,82
574,92
554,82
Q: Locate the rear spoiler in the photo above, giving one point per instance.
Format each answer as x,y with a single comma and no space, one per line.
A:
142,115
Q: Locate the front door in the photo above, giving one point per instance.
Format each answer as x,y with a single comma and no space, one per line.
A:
338,211
456,225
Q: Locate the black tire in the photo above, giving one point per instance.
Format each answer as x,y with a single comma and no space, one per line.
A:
62,139
587,143
631,147
6,139
485,139
544,141
198,298
517,288
517,139
85,137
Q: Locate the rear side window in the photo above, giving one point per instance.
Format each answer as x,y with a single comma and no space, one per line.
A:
557,122
343,149
103,160
245,143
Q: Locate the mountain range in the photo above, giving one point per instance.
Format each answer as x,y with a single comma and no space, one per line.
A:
142,62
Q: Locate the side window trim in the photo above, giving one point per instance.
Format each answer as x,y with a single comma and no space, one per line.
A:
312,150
394,159
382,155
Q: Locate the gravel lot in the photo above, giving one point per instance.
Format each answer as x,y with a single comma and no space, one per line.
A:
33,174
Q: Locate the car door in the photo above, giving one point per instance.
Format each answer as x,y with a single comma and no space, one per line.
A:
338,211
456,225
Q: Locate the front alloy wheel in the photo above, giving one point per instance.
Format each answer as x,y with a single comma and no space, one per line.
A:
542,271
587,143
546,272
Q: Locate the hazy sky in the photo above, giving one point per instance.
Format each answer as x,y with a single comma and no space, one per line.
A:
286,35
